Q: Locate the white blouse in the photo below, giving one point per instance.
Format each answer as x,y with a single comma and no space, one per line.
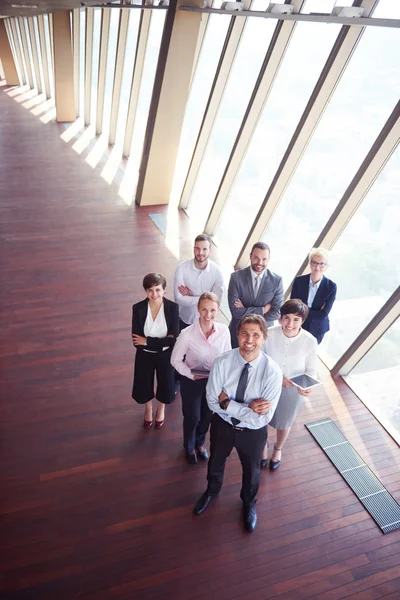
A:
157,328
295,355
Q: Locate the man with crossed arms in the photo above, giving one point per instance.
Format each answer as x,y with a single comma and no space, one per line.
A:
243,390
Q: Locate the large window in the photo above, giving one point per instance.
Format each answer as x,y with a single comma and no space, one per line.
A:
247,64
351,123
306,55
376,380
207,64
365,262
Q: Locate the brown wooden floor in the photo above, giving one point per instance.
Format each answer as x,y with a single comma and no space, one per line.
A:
91,505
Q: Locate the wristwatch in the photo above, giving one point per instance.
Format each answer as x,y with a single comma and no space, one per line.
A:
224,403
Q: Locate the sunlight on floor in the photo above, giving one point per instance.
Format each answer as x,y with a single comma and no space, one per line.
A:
72,129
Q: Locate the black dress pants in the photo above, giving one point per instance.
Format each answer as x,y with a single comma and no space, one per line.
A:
249,444
196,414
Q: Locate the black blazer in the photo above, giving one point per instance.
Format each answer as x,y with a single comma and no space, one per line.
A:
317,321
139,315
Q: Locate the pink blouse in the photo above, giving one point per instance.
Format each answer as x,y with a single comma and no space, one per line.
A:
200,351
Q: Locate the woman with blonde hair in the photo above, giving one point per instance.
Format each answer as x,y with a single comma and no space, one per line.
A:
318,292
194,352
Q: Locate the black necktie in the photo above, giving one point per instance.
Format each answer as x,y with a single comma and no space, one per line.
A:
241,388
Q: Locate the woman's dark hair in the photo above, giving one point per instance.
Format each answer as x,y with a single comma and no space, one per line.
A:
152,279
295,307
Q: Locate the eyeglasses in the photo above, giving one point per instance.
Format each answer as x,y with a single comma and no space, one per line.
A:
314,263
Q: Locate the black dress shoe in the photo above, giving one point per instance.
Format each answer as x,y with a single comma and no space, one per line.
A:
273,465
202,503
191,458
203,454
263,463
249,516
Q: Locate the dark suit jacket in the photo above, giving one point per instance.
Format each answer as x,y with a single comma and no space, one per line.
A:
317,321
241,286
171,311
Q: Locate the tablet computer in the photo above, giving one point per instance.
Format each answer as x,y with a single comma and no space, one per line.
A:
304,381
199,372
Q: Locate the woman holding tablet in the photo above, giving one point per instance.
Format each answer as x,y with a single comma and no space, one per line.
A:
295,351
194,352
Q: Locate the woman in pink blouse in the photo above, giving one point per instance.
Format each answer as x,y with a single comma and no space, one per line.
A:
194,352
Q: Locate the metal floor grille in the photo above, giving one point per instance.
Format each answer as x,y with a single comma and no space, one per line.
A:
381,505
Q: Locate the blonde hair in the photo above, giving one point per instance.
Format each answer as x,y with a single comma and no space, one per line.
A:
209,296
319,252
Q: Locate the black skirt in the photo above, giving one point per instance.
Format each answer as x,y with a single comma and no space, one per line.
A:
148,364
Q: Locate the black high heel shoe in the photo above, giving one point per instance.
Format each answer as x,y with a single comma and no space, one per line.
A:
274,464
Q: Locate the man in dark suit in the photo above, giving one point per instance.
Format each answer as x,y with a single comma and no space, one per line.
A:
318,292
254,290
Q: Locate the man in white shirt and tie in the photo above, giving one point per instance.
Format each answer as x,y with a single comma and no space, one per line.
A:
243,390
193,278
255,290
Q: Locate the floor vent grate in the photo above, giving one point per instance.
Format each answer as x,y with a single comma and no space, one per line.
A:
381,505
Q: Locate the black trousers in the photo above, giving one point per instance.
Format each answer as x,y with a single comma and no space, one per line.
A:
148,364
196,414
249,444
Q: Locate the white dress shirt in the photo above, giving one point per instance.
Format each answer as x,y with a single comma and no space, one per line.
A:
200,351
157,328
198,281
312,291
264,381
294,356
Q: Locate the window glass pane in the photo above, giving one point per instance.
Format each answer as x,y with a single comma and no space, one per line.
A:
82,52
21,48
245,70
39,51
49,53
95,62
145,93
1,70
306,55
110,69
364,99
131,42
30,56
365,262
376,380
207,64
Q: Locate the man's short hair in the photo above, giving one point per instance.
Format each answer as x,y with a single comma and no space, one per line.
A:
295,306
203,237
152,279
260,246
209,296
253,320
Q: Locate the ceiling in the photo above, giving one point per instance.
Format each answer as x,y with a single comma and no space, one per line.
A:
29,8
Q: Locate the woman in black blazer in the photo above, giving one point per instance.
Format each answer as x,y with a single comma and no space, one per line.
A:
155,327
